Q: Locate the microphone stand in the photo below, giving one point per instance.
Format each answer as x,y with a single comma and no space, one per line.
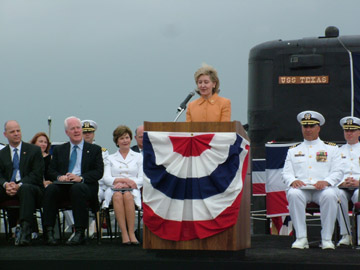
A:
49,125
179,113
182,106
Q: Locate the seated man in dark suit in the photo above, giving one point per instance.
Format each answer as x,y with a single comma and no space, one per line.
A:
21,176
139,133
76,166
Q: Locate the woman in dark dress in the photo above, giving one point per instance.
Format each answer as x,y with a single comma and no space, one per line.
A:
42,140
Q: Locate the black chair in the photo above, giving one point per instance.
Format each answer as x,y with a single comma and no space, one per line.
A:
355,214
312,211
105,215
93,208
7,205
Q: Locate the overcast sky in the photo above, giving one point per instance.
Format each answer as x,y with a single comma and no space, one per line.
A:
129,61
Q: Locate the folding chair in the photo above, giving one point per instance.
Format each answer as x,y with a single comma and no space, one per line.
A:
313,220
105,215
355,214
93,207
7,205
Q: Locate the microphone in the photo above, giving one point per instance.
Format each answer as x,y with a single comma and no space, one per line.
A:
186,100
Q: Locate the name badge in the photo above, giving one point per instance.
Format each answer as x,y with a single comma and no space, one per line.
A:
300,154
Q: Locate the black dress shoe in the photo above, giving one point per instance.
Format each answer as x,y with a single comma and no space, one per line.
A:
78,239
25,234
50,239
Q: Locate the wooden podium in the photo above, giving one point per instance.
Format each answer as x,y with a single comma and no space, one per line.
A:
235,238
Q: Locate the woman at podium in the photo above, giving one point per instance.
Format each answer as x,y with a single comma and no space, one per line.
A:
210,107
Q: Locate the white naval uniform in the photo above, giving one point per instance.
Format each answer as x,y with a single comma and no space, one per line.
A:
310,162
350,156
117,167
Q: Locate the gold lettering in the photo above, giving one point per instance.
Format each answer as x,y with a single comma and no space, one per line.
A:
303,79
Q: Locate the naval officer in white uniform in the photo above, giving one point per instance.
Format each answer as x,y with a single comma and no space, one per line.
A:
89,127
312,170
349,185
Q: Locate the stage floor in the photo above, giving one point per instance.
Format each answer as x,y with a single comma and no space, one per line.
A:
266,251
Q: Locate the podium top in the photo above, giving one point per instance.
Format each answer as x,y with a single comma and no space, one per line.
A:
234,126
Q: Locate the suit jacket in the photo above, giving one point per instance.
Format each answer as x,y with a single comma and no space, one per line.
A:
92,166
31,165
135,148
131,167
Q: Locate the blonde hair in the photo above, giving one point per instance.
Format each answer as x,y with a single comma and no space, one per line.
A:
212,73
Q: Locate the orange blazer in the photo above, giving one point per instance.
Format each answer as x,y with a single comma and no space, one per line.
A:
215,109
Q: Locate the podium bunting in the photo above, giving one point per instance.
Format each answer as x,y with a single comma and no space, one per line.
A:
193,182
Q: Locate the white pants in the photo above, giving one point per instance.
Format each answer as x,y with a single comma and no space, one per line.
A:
326,199
345,196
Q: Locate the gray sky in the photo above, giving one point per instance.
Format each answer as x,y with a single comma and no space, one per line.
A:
129,61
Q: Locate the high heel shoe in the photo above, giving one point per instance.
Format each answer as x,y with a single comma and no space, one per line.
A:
128,243
136,243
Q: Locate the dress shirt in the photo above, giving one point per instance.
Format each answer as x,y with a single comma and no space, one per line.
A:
79,150
18,177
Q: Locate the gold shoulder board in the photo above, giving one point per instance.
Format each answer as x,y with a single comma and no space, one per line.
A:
293,146
330,143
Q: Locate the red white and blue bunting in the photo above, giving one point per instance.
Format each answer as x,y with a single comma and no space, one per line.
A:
193,183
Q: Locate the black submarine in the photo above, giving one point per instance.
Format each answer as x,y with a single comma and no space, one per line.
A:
286,77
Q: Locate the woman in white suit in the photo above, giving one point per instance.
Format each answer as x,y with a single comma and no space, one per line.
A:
123,176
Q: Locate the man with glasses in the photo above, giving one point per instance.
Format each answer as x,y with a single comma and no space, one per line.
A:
348,187
139,133
312,170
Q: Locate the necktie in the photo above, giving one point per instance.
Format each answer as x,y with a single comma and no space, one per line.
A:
73,158
15,165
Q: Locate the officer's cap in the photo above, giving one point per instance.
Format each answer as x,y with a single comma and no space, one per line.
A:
88,125
310,118
350,123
